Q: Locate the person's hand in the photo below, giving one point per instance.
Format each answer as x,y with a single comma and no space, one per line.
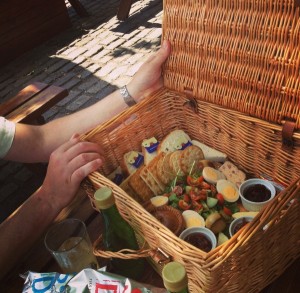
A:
68,166
148,78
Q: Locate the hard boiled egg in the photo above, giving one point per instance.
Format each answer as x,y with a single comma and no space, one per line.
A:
212,175
159,200
193,219
228,190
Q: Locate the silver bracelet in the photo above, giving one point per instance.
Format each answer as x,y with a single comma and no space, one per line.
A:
128,99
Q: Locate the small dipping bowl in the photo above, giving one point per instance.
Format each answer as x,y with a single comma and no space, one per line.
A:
262,185
200,237
238,224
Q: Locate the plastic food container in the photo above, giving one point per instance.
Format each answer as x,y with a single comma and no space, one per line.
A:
255,206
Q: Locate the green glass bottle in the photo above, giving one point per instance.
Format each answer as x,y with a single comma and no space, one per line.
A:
117,235
175,278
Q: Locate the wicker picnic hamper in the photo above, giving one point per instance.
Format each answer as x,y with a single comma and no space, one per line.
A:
232,81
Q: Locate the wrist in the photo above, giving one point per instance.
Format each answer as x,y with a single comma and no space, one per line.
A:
135,94
46,203
127,98
48,199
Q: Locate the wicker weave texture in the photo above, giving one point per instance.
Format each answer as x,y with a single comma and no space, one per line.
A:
252,144
243,55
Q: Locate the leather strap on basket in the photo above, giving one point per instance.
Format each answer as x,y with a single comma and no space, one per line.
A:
287,135
192,102
158,255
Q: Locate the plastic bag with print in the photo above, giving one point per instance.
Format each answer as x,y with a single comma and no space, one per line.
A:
86,281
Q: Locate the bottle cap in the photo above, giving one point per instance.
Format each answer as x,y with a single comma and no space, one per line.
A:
104,198
174,276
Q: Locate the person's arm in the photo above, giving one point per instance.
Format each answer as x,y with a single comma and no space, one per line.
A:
68,165
35,143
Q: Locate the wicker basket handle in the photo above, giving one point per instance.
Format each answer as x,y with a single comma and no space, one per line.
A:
158,255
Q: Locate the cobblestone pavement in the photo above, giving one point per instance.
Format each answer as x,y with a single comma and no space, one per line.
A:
91,59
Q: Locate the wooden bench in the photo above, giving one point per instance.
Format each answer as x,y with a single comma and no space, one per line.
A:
29,105
31,102
124,9
122,14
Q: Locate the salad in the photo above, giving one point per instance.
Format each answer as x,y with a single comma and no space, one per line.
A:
192,192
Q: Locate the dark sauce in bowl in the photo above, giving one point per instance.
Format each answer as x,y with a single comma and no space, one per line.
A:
257,193
199,240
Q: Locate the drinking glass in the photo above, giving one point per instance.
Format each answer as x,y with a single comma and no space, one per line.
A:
70,245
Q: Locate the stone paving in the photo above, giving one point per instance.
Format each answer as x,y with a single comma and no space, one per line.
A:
91,59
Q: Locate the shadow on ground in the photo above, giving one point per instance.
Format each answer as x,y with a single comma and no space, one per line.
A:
46,63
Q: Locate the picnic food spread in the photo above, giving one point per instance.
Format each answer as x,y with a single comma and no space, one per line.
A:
190,177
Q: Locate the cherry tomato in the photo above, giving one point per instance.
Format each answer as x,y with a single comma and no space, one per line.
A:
183,205
220,199
197,207
227,211
186,198
194,181
205,185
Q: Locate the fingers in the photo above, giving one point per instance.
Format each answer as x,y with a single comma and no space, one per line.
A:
76,147
161,55
75,156
84,170
85,160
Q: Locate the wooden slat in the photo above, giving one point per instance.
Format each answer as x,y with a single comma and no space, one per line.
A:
22,97
38,105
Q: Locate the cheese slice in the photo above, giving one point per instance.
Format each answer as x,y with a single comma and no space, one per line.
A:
210,153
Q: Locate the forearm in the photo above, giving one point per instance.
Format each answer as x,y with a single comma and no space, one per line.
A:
23,228
35,143
82,121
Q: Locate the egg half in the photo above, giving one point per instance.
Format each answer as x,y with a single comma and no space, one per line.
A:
228,190
193,219
159,200
212,175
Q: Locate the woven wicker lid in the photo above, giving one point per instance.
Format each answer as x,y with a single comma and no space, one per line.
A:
243,55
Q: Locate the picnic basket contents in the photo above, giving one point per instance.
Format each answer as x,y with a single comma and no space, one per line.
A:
232,90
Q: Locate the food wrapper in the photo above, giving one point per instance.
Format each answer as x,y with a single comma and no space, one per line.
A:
88,280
